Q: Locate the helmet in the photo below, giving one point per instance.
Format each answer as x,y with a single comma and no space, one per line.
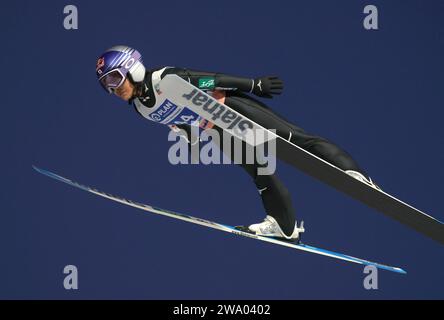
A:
118,63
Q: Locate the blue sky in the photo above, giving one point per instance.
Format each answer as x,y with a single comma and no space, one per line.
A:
378,94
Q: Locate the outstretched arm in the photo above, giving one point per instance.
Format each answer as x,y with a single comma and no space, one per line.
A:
262,87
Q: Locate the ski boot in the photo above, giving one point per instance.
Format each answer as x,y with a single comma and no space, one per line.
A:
270,228
359,176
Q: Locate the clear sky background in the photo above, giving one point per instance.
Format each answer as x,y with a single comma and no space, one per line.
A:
378,94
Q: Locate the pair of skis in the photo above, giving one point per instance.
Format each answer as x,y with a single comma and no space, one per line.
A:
214,225
187,97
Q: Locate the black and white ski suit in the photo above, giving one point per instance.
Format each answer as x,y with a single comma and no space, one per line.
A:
275,197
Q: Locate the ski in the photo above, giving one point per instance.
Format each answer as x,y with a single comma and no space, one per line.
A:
186,95
218,226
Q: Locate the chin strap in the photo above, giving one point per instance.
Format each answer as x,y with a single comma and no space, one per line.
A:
140,90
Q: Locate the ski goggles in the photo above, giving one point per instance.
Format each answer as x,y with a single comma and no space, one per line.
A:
112,80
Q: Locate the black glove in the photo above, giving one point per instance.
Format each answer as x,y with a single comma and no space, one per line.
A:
266,86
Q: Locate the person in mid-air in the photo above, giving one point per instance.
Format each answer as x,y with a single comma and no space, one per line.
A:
120,70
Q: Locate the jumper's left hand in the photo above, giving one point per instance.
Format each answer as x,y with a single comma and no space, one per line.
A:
267,86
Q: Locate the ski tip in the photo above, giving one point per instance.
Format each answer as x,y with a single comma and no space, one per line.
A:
39,170
393,269
401,271
51,175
